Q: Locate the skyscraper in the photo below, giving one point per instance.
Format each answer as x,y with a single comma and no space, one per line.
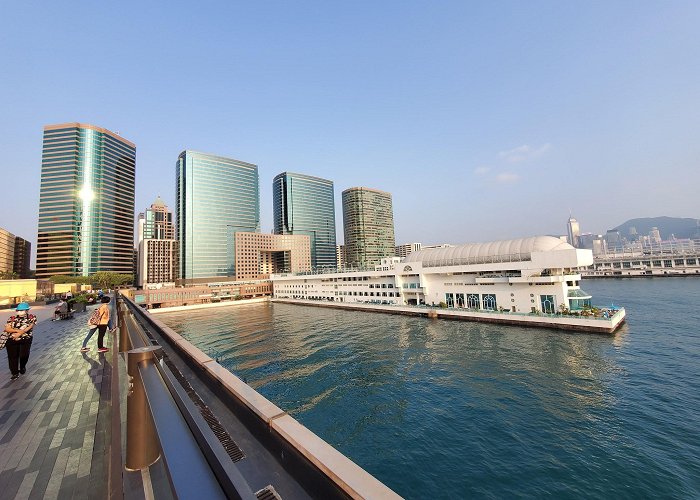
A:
303,204
368,220
86,201
215,198
157,246
23,255
573,231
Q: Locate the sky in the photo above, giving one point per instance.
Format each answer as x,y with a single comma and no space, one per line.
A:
485,120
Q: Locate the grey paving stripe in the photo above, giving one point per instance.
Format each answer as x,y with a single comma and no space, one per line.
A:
54,420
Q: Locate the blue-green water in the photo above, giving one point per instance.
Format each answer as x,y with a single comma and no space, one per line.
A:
439,409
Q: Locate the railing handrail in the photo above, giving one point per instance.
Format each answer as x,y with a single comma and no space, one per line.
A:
196,462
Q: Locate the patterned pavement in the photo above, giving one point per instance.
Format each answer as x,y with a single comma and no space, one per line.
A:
55,419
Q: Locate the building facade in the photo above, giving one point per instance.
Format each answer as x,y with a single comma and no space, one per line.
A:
303,204
7,251
22,258
157,246
15,255
259,255
340,257
405,250
368,222
216,197
86,201
528,275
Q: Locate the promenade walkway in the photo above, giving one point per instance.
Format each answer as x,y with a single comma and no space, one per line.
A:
55,420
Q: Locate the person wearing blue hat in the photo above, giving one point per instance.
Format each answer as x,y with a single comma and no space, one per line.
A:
19,343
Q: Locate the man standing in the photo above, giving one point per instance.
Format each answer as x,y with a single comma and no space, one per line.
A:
19,343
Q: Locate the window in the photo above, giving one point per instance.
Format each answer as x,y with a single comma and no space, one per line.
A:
460,300
450,299
489,301
548,304
473,301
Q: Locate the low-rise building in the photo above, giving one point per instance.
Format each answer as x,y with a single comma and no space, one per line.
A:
537,274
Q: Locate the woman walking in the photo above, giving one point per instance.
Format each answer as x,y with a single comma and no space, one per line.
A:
19,342
100,321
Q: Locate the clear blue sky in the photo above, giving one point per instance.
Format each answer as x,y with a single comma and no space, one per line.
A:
485,120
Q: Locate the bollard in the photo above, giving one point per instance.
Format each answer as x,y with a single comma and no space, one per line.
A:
142,447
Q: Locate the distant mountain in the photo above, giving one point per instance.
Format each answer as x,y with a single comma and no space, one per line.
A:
680,227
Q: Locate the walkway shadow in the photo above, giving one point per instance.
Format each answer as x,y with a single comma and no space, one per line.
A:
97,366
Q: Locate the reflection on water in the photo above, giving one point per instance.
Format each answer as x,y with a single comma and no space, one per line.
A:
484,410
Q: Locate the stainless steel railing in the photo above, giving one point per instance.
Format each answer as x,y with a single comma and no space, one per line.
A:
163,424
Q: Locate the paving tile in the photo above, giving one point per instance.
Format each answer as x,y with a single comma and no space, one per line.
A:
54,420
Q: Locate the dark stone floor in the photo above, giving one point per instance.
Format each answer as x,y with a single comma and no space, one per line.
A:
55,419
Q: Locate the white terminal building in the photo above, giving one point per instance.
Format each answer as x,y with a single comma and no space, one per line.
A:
528,275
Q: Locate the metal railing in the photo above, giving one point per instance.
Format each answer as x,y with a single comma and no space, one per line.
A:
163,424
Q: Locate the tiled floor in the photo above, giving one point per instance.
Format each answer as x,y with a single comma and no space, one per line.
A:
55,419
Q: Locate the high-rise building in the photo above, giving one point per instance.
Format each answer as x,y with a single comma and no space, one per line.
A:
368,220
22,258
7,251
86,202
15,255
303,204
340,256
405,250
655,235
573,231
157,246
216,197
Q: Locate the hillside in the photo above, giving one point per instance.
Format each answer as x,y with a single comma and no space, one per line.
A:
680,227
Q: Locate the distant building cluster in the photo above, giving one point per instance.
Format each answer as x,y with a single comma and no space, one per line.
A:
15,254
613,241
87,207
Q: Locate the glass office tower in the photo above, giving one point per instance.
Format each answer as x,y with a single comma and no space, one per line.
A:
86,202
216,197
305,205
368,222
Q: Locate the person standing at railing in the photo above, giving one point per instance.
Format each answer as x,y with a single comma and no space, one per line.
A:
100,321
19,341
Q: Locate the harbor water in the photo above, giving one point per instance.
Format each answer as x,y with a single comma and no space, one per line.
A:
452,409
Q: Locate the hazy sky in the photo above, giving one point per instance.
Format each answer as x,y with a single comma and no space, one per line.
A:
485,120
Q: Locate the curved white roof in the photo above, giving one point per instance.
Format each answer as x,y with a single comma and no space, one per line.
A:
493,251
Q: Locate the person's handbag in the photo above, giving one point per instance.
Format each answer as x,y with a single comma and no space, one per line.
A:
95,318
3,339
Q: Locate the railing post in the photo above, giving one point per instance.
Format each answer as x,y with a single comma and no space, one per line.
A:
142,447
124,344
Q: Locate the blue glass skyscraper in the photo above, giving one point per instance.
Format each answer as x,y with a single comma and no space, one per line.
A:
215,198
303,204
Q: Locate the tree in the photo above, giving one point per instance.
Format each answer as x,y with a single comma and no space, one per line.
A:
109,279
8,275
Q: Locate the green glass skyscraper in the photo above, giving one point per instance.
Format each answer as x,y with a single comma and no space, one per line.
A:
305,205
368,223
86,202
216,197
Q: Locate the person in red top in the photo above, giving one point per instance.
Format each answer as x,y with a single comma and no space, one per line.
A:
19,343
